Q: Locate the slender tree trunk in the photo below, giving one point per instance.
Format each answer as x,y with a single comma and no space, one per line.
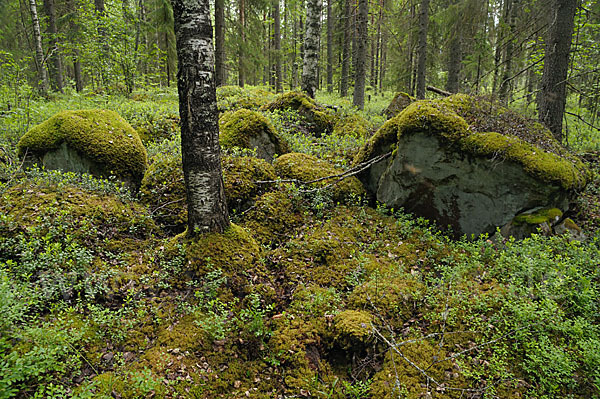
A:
39,52
310,67
277,46
345,51
556,63
329,48
454,63
505,84
56,69
77,71
220,79
242,39
422,62
201,154
384,38
362,22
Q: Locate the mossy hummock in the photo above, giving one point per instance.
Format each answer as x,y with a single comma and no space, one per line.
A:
250,129
307,168
100,135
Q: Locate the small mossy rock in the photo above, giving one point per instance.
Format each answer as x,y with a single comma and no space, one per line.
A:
163,187
97,141
447,170
399,102
396,298
240,177
319,119
273,217
353,125
250,129
352,328
231,98
569,227
307,168
234,251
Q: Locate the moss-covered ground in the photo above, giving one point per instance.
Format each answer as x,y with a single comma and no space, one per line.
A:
311,292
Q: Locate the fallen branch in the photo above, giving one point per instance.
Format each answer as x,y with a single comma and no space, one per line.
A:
439,91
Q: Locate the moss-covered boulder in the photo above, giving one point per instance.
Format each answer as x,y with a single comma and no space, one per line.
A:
163,187
353,125
318,118
250,129
98,142
399,102
307,168
469,164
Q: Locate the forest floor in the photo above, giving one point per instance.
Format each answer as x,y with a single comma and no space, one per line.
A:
309,294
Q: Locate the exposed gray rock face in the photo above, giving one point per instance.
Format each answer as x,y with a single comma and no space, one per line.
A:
472,195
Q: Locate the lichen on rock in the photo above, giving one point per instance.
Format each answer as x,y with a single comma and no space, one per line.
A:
98,142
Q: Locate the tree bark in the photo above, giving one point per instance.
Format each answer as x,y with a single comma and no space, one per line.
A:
277,46
242,39
56,69
329,48
220,78
362,21
454,62
345,51
422,60
505,84
310,66
207,209
39,52
558,46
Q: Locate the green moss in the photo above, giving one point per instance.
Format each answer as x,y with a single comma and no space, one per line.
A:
163,187
353,125
101,135
230,98
548,215
353,327
463,120
571,225
399,102
243,127
240,175
273,218
234,251
397,298
318,118
546,166
307,168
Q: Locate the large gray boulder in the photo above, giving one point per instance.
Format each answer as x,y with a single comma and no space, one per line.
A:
444,169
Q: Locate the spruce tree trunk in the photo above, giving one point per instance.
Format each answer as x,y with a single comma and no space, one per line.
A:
220,78
56,69
310,66
362,21
329,48
277,46
207,209
242,38
505,90
454,63
39,52
422,51
345,51
553,94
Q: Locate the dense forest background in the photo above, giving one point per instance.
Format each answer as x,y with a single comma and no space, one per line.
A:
492,47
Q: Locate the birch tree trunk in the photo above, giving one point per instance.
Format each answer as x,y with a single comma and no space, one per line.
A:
310,66
554,79
422,51
39,52
207,209
362,21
